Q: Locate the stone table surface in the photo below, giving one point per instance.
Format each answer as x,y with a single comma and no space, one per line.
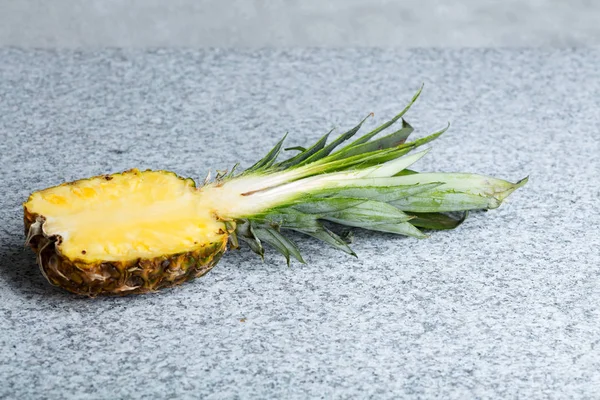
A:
506,306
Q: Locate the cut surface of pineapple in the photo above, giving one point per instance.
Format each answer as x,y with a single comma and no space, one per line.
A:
126,216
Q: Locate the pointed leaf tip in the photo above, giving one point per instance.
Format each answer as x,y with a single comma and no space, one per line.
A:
522,182
503,195
270,158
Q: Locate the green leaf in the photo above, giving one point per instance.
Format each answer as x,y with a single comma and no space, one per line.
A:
358,161
380,128
402,228
406,172
233,240
330,147
280,243
392,167
299,158
232,172
332,239
255,246
438,221
321,207
265,236
473,184
298,148
245,232
269,159
291,246
393,140
361,161
370,191
367,214
288,218
445,201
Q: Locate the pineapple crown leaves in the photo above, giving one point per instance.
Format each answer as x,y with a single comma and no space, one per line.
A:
320,152
363,184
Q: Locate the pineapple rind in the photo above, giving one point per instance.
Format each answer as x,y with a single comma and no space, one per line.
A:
120,277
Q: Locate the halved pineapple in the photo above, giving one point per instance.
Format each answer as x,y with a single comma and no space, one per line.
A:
128,232
138,231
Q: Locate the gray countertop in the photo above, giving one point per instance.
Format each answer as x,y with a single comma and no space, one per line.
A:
257,23
506,306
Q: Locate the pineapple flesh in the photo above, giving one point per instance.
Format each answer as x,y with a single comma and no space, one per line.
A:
139,231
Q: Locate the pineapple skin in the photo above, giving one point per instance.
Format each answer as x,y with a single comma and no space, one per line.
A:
140,275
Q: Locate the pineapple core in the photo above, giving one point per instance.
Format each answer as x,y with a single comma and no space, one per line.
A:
126,216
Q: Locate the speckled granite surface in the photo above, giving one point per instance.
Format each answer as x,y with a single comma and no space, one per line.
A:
507,306
259,23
